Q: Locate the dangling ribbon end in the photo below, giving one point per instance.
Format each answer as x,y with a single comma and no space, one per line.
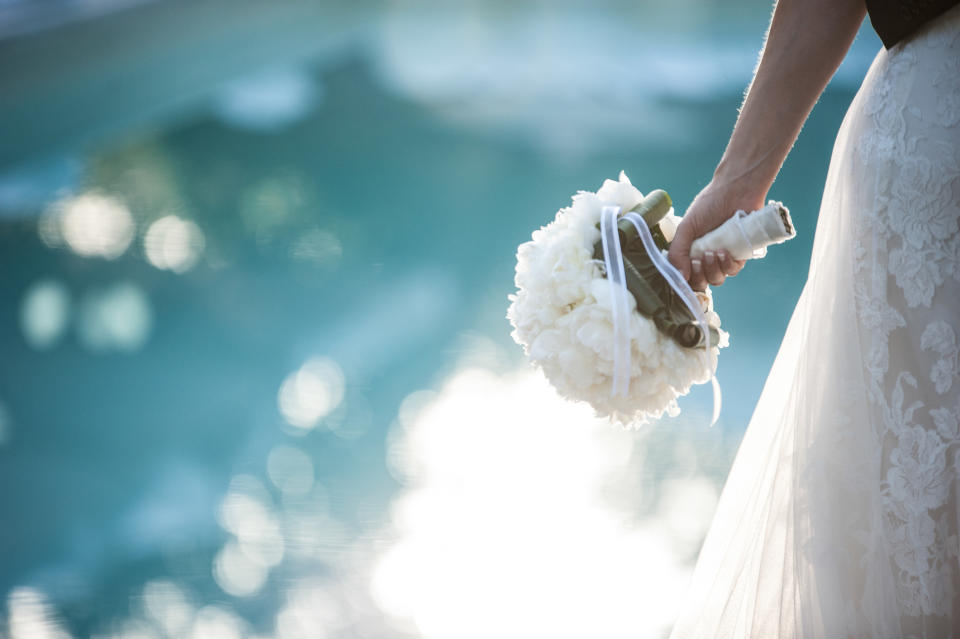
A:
687,295
717,399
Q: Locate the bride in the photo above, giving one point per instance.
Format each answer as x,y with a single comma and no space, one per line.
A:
841,514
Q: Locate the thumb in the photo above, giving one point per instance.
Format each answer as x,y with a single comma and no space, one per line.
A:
679,254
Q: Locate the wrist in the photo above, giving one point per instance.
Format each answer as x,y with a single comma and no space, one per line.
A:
739,190
741,181
732,195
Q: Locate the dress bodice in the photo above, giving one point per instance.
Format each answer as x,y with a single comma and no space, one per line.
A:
894,20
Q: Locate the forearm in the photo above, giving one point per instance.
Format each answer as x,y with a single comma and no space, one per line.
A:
806,42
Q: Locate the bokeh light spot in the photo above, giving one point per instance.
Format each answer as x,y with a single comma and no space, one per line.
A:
117,318
48,228
242,565
173,244
311,612
167,606
236,573
92,224
413,404
45,313
310,393
216,622
30,616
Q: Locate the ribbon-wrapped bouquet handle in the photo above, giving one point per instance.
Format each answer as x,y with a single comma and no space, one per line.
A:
605,315
747,235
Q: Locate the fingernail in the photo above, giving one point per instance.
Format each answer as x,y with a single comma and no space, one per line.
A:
722,255
709,255
696,265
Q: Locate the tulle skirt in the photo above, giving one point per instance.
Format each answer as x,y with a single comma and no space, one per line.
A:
840,514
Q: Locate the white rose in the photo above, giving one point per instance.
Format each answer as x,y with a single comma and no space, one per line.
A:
621,193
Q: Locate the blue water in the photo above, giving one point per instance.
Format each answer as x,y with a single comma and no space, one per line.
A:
360,181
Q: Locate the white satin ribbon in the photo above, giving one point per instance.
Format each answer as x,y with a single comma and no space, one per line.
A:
757,252
613,262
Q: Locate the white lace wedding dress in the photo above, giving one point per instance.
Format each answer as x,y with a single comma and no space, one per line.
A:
840,514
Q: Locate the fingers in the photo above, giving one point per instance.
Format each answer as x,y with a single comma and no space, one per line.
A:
713,268
679,254
729,265
697,280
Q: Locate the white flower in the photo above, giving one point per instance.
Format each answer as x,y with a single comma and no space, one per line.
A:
561,315
621,193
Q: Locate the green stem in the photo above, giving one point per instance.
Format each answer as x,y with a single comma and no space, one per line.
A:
655,299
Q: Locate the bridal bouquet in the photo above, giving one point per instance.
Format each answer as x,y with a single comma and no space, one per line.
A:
607,318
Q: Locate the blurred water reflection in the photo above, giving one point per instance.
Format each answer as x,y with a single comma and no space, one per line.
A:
256,380
269,100
490,544
241,566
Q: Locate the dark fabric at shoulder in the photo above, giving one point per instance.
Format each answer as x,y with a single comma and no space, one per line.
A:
894,20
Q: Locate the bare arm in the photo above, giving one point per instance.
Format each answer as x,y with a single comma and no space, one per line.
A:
805,44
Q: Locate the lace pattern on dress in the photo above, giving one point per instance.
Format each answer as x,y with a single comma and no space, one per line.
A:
906,271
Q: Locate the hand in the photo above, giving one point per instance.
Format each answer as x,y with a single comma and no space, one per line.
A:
713,206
